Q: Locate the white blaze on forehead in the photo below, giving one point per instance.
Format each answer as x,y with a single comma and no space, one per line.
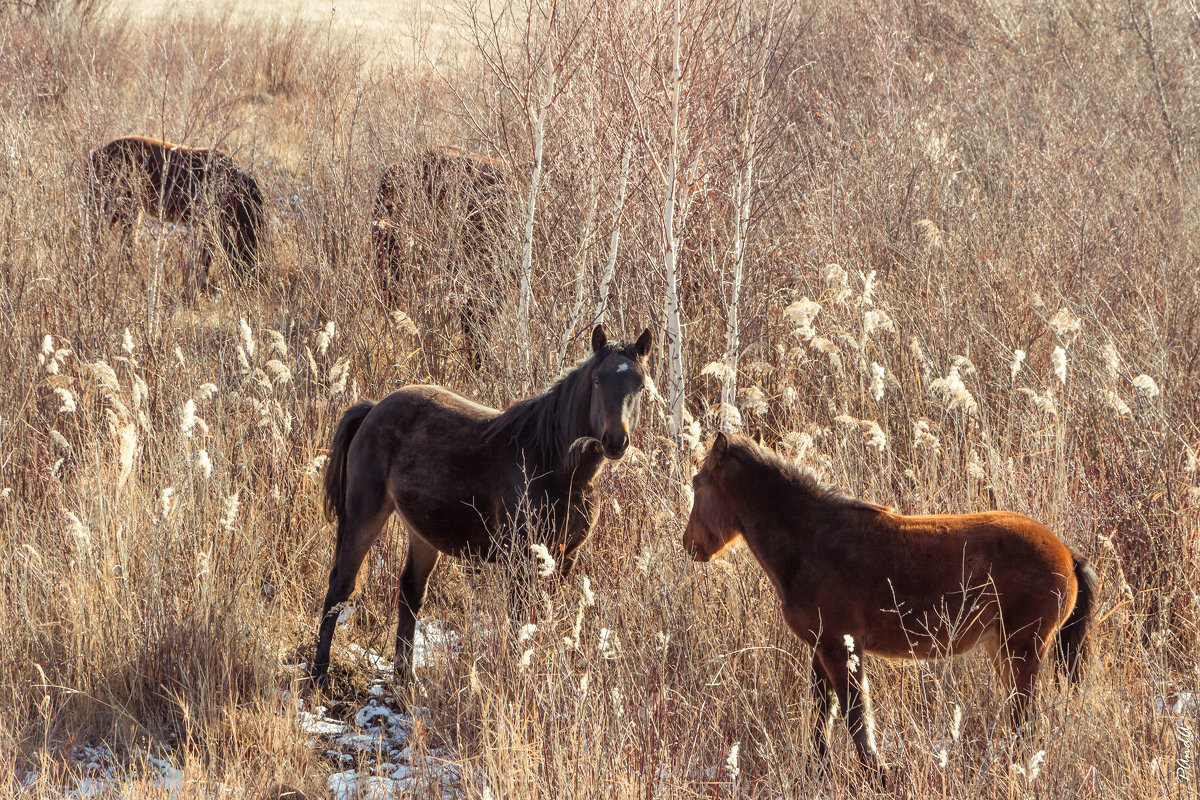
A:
622,367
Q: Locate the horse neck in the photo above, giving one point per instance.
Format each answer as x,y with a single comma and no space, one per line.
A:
556,419
779,520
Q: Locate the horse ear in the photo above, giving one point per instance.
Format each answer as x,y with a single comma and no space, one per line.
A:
758,440
598,339
720,446
644,342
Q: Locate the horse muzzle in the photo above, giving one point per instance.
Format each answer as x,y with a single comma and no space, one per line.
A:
614,444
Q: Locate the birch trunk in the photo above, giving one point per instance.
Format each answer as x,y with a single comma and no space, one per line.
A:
535,180
674,331
729,386
585,246
610,266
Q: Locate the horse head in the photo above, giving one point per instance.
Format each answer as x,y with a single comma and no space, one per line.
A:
618,377
710,526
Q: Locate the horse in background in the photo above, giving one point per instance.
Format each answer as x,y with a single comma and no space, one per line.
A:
442,185
474,482
201,187
442,204
855,578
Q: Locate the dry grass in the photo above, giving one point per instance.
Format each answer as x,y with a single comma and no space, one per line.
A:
981,165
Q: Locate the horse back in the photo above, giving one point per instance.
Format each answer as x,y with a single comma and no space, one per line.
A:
999,544
167,178
928,585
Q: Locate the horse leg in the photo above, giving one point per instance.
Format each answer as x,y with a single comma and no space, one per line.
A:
418,566
854,695
362,526
1017,663
822,691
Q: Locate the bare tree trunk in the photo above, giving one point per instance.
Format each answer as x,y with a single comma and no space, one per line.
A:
729,384
674,330
585,245
610,267
535,180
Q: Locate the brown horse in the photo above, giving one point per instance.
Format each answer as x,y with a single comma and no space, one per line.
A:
853,578
471,481
192,185
464,189
443,198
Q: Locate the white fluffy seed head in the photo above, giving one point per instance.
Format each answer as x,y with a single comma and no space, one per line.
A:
922,437
404,323
77,531
722,372
543,559
526,632
975,468
127,343
874,435
278,371
1042,402
753,400
1145,386
1112,361
313,469
166,502
66,399
953,391
204,464
877,320
1058,360
731,762
868,291
1115,402
229,515
877,384
187,417
246,336
801,314
838,281
1018,359
324,337
1064,322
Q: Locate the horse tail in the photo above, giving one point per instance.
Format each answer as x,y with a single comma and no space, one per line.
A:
335,469
1072,644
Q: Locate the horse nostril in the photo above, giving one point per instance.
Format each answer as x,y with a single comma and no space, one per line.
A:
614,442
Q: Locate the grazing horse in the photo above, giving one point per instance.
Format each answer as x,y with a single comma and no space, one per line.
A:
853,578
463,188
443,196
192,185
471,481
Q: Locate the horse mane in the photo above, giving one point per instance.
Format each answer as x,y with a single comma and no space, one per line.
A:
798,479
546,425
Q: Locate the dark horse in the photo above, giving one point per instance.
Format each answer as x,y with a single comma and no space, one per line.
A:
445,184
442,200
471,481
853,578
193,185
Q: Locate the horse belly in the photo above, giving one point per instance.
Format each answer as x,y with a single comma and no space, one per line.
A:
457,527
946,627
